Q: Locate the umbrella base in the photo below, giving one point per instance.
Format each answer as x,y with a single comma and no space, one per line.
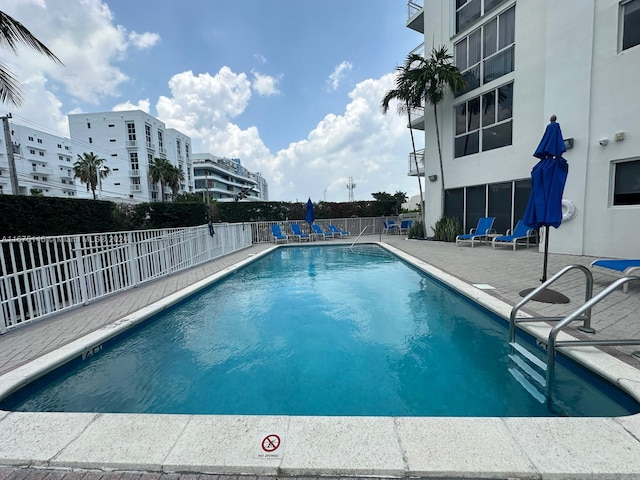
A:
546,296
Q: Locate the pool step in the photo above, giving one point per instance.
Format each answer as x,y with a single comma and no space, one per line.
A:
529,371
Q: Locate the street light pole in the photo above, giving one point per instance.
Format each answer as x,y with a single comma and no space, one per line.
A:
13,175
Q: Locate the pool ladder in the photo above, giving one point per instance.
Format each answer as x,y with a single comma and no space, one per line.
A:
534,373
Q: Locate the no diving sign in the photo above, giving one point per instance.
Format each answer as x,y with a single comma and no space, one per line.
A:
270,446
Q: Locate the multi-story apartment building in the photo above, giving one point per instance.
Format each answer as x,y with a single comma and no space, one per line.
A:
43,163
225,179
129,141
524,62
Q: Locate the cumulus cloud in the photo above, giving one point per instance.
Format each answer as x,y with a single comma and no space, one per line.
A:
143,41
85,37
338,74
264,84
141,105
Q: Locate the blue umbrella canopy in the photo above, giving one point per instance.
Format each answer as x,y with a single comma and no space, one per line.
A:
309,218
548,178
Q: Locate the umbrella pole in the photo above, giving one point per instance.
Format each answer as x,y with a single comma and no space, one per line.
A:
546,253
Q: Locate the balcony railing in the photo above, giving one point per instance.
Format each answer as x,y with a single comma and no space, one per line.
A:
134,173
136,187
162,150
419,50
415,15
131,144
412,171
151,146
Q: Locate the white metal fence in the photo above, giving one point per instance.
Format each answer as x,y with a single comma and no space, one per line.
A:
45,275
42,276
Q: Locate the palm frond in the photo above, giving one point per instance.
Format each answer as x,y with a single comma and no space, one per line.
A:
9,87
13,33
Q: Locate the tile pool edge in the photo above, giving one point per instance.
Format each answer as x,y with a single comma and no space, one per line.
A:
331,446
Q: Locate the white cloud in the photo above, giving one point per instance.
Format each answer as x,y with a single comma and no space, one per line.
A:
141,105
338,74
85,37
143,40
264,84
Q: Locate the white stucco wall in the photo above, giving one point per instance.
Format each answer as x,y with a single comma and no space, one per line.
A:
566,63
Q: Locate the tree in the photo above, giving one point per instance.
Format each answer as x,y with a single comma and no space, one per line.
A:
12,33
90,170
431,79
174,181
161,171
400,198
407,98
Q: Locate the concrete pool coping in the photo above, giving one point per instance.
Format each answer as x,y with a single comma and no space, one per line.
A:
328,446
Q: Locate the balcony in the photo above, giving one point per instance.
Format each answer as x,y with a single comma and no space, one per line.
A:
151,146
131,144
412,171
154,188
163,151
417,118
134,173
136,187
42,171
419,50
415,15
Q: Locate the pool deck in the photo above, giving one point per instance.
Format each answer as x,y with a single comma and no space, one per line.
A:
123,447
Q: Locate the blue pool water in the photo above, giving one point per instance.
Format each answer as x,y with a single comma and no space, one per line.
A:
315,331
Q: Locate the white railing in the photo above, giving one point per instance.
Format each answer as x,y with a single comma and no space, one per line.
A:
42,276
413,8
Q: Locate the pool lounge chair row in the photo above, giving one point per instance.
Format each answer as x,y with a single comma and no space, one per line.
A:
299,236
484,233
390,226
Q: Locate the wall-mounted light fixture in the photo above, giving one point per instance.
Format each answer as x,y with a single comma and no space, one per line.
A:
568,143
619,136
433,178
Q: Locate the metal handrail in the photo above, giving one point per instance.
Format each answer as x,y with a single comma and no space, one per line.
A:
552,344
358,237
587,297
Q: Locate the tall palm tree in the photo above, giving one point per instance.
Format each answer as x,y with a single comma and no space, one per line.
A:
90,169
176,177
407,99
161,171
432,79
13,32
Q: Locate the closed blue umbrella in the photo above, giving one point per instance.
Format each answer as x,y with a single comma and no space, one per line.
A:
548,178
309,218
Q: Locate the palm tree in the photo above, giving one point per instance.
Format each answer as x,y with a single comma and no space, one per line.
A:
13,32
161,171
176,177
405,95
90,170
432,79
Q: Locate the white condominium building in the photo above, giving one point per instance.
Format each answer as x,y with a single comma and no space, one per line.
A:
129,141
43,163
525,61
226,180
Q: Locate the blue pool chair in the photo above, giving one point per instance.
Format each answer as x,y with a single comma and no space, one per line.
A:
277,234
297,233
320,233
619,268
390,226
337,232
521,234
480,233
404,226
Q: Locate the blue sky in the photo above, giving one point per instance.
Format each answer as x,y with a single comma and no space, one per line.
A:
292,88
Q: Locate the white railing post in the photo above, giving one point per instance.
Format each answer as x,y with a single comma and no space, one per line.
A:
132,262
79,259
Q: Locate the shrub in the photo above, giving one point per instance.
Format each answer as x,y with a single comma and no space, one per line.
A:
447,229
416,230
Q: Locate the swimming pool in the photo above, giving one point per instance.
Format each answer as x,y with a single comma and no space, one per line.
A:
282,344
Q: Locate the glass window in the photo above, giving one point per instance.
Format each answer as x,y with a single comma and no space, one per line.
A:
476,206
490,36
500,205
521,195
626,190
467,145
468,13
505,102
496,136
489,108
630,24
454,204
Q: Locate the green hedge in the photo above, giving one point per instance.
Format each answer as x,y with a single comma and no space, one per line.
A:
46,216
